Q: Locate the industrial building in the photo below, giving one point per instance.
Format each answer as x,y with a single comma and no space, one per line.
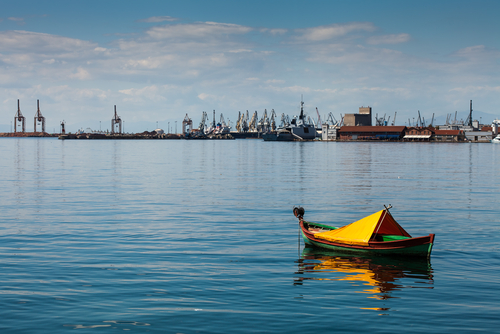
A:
449,135
418,134
371,132
363,118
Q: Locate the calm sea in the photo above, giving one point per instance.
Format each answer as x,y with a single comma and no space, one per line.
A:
179,236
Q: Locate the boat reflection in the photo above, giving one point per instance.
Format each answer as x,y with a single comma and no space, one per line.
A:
379,276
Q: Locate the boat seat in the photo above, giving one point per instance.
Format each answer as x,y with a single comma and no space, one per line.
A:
314,230
383,237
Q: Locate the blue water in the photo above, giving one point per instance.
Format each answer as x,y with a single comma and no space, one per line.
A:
199,237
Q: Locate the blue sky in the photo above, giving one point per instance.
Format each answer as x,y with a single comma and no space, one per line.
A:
158,60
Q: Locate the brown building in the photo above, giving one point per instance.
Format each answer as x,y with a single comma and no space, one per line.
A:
418,134
449,135
371,132
363,118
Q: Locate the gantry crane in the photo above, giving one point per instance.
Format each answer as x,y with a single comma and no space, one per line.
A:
39,117
19,118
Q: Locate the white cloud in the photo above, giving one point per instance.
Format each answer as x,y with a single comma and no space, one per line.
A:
81,74
356,54
148,93
275,81
34,42
203,96
323,33
274,31
19,20
197,30
468,90
240,51
156,19
478,52
388,39
150,62
471,51
17,59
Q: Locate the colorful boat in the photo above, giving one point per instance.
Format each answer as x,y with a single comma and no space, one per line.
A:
378,233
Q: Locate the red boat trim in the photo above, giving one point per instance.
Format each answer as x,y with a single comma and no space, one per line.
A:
373,245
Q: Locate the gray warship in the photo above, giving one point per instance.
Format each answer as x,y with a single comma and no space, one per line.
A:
297,130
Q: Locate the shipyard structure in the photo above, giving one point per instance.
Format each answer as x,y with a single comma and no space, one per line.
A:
19,124
360,126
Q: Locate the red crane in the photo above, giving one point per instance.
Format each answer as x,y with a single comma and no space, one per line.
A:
319,117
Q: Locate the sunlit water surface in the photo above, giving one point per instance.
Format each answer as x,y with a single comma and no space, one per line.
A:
199,237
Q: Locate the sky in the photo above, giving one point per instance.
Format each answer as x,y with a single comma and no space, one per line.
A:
160,60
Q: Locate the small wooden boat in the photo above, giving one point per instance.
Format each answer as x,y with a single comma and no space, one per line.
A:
378,233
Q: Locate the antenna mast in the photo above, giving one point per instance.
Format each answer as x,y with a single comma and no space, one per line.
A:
470,114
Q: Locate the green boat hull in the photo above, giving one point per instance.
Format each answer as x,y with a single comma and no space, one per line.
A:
419,250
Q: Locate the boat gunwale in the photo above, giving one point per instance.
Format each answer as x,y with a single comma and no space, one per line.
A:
372,245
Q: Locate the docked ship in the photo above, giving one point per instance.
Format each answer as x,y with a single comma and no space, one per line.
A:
297,130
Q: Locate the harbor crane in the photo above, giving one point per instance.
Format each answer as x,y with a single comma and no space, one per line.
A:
187,125
263,124
222,122
394,119
285,120
239,122
380,121
273,120
203,123
468,121
242,124
419,120
116,121
333,121
319,117
19,118
39,117
252,126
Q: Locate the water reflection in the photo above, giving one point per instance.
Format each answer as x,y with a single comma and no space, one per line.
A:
380,277
19,169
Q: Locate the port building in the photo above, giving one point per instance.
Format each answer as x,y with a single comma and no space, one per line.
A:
418,134
371,132
363,118
449,135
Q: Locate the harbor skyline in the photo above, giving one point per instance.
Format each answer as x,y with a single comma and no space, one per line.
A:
158,61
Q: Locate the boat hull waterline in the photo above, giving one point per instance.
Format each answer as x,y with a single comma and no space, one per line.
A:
420,246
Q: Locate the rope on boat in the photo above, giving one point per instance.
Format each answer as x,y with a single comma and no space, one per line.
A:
299,241
381,220
299,213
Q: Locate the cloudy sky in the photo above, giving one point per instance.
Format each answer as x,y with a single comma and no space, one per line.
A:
158,60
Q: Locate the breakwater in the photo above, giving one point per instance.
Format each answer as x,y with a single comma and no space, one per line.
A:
143,135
